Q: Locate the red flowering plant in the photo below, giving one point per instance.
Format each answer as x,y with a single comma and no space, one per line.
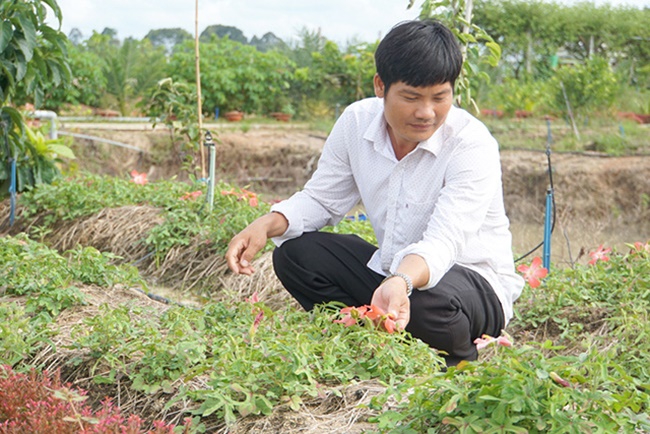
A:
485,341
243,194
138,178
191,195
599,255
39,402
257,310
639,249
367,314
534,272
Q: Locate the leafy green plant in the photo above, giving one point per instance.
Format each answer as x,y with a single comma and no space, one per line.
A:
588,87
20,337
234,76
174,104
521,390
32,58
240,347
48,279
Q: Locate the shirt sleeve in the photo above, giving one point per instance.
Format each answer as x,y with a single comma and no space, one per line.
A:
330,193
471,182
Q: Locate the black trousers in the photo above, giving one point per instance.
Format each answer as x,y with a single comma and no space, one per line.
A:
320,267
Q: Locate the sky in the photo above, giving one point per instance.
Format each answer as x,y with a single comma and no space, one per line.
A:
341,21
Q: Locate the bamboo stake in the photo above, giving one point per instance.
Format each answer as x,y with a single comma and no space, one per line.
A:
198,86
568,106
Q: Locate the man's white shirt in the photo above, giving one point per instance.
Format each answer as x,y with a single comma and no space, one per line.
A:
443,201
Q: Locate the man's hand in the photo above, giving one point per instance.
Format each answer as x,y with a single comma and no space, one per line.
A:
243,248
246,244
391,297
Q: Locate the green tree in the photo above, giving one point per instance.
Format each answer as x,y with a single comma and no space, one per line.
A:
220,31
310,42
336,77
588,87
88,84
32,56
131,68
234,75
268,42
168,38
529,32
478,46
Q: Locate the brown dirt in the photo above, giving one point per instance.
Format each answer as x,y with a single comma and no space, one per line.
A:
596,195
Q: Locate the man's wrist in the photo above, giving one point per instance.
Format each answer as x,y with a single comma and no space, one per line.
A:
406,278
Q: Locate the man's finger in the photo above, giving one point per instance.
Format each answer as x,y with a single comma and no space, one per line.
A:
233,257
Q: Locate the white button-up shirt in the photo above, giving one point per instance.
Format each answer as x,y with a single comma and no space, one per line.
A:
443,201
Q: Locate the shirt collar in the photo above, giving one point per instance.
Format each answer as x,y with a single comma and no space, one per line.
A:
377,133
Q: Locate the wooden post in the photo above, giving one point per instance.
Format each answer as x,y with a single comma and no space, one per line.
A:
199,105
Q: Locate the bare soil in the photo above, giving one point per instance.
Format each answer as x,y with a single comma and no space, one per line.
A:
598,199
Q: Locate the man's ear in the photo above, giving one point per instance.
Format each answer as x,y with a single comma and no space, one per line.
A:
379,86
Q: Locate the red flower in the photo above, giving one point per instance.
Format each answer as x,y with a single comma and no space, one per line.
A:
138,178
374,313
599,255
192,195
244,195
486,340
389,324
253,298
256,323
351,315
533,273
252,197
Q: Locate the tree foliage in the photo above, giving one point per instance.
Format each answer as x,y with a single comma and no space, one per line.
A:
233,33
168,38
479,48
33,56
234,76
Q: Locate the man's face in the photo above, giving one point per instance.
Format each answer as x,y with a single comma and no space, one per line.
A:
413,114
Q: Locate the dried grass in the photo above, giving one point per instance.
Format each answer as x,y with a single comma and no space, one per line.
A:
341,410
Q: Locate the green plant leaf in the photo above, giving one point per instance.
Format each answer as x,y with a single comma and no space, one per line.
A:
61,151
6,33
28,42
55,8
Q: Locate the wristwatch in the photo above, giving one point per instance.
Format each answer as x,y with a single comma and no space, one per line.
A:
407,279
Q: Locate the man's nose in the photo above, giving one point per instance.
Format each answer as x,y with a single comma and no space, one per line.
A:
425,110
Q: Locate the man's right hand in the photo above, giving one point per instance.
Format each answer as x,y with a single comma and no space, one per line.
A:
246,244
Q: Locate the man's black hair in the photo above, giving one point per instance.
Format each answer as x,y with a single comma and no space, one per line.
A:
419,53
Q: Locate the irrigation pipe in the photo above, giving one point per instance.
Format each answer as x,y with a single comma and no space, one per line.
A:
549,215
102,140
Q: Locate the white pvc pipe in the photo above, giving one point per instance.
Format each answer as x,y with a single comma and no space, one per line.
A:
51,116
